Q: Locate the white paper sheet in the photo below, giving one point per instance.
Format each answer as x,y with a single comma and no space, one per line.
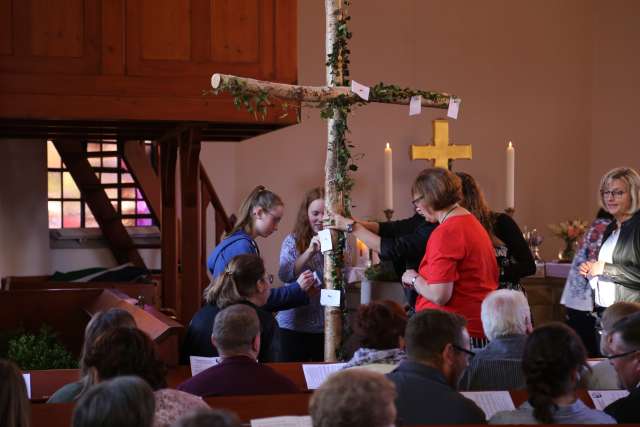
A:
330,297
316,374
361,90
199,363
454,106
603,398
415,105
325,240
491,401
27,382
291,421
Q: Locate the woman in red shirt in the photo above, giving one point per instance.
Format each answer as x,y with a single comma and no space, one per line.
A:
459,267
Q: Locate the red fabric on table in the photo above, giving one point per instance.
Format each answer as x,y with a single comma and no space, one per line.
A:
460,251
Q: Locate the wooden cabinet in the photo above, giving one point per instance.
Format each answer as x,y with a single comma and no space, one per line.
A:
146,60
543,294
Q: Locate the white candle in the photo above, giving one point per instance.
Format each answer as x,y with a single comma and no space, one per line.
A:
511,176
388,178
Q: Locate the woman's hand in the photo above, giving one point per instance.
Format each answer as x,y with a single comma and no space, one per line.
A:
306,280
591,268
584,268
409,277
314,245
339,222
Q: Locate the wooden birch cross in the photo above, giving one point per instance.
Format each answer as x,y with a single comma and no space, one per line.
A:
335,100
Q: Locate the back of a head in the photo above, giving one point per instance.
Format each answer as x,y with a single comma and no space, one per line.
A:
380,324
121,402
354,398
101,322
126,351
429,331
505,312
237,283
553,355
209,418
15,410
617,311
235,328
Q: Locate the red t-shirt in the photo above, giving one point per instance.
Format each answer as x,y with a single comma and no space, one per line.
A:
460,251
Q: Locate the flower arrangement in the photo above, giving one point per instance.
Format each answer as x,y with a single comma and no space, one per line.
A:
570,232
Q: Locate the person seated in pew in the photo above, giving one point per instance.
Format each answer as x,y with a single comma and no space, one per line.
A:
354,398
128,351
101,322
125,401
209,418
438,352
625,358
380,329
506,320
603,375
14,402
244,281
553,360
236,335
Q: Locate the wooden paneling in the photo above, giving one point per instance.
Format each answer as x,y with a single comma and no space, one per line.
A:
165,29
56,28
6,27
235,30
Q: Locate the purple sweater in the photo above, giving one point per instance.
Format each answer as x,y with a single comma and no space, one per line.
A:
238,375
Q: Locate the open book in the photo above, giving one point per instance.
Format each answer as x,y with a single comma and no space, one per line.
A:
603,398
200,363
316,374
293,421
491,401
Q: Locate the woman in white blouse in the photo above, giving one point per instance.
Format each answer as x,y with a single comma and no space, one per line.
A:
615,276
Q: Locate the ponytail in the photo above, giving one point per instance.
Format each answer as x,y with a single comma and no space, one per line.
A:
259,197
237,283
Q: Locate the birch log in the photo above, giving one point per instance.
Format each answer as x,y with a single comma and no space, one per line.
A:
317,94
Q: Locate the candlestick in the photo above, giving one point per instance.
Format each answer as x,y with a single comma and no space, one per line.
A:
388,178
511,174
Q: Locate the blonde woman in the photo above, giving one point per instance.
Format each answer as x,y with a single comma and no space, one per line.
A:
615,276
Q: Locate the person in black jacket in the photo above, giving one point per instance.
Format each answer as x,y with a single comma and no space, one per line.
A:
615,276
243,281
402,242
512,252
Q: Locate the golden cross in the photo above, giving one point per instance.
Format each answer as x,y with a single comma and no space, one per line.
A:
441,152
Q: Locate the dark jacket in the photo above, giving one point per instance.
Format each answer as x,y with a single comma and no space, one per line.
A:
518,261
238,375
625,269
424,397
197,340
404,242
625,410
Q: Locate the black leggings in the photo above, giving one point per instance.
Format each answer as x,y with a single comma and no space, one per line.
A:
301,346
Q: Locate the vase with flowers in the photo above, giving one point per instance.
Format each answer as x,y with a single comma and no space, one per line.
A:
570,232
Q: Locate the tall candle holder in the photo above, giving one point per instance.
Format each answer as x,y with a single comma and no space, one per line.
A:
388,213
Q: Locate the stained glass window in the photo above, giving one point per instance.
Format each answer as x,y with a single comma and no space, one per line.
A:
67,207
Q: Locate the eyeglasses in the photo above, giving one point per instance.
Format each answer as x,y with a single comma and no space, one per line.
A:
415,201
268,278
619,355
276,219
463,350
613,193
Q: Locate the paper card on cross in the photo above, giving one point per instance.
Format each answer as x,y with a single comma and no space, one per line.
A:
440,152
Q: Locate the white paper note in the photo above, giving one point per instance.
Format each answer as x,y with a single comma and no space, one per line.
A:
330,297
325,240
199,363
603,398
361,90
454,106
491,401
291,421
318,282
415,105
27,382
316,374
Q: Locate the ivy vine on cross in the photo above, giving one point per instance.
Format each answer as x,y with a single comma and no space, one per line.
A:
335,100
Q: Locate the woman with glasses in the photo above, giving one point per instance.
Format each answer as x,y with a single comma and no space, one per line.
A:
302,328
615,276
459,267
244,281
512,251
258,216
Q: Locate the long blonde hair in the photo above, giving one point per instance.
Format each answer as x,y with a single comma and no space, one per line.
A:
259,197
238,282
